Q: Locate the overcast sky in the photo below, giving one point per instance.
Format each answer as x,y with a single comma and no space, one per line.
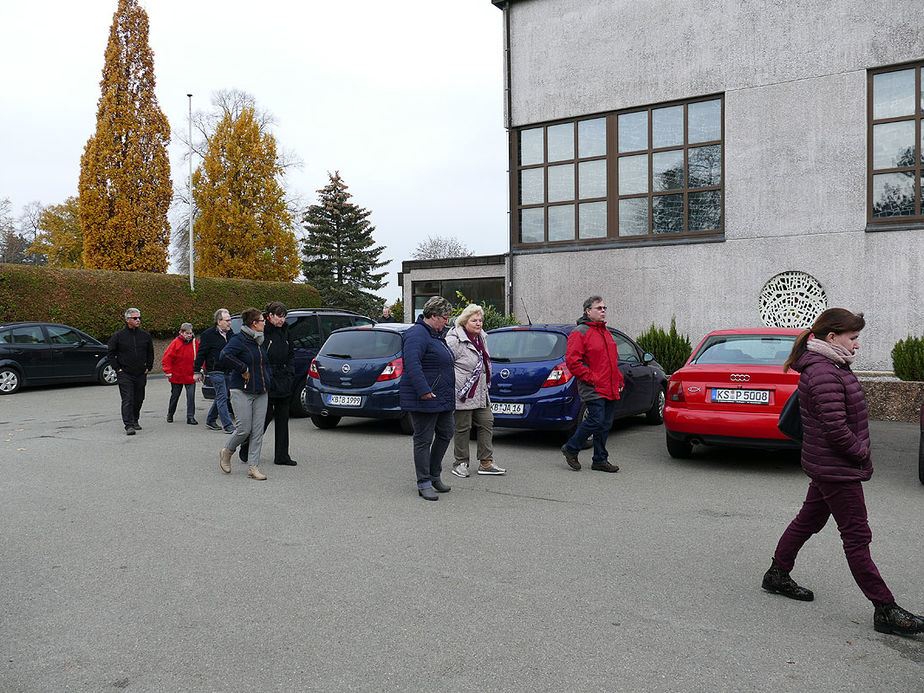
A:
403,97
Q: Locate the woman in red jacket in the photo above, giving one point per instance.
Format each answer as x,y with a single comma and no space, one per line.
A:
178,365
836,457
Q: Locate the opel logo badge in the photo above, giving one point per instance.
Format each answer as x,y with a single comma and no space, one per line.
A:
505,373
345,368
739,377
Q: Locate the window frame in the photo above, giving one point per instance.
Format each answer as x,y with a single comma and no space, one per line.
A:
915,220
612,198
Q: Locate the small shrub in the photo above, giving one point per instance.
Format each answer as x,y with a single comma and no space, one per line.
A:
908,358
492,318
670,349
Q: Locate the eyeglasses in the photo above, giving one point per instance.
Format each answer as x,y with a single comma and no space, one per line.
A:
134,317
599,308
260,320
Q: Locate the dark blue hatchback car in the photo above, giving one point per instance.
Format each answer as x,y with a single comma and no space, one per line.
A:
357,372
531,387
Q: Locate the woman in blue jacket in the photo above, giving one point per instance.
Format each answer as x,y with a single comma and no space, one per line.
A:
249,383
427,389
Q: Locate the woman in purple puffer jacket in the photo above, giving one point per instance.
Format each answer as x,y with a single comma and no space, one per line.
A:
836,457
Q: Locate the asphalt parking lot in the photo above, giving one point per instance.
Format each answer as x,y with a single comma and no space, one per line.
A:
134,563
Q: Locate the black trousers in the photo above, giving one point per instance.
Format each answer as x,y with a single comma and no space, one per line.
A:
276,409
131,390
175,390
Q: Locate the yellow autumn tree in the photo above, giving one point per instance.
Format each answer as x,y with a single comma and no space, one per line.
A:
243,228
59,237
125,187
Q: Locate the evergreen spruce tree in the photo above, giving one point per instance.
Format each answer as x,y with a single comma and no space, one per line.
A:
243,227
341,257
125,187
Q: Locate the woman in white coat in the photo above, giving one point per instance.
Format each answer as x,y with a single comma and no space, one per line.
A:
469,345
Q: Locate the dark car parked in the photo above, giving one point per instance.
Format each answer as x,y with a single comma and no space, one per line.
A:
43,353
308,329
531,387
357,373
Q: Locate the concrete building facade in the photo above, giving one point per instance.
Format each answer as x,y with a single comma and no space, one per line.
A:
725,163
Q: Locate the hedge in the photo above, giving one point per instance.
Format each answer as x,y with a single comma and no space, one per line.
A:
95,300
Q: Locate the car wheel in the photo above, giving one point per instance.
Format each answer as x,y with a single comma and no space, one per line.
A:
10,382
298,406
108,375
406,424
679,449
322,421
655,415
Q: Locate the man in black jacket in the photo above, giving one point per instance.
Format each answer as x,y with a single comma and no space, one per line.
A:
211,342
131,352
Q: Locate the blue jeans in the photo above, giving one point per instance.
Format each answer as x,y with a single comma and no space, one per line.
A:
599,421
219,407
433,432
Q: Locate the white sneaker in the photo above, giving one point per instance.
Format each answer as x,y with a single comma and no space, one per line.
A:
460,469
491,468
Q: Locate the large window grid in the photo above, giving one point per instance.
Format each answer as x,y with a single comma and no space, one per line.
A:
895,145
645,172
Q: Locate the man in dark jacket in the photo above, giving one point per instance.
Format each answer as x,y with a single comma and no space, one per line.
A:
208,362
131,352
427,391
593,358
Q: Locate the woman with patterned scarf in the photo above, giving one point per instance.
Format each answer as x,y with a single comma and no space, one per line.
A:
469,346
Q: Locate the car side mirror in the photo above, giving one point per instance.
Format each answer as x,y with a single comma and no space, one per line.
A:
647,358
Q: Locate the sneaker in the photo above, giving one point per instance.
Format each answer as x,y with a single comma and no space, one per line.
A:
192,422
605,467
169,418
461,470
213,426
229,429
891,618
571,459
136,426
778,581
491,468
224,460
129,430
253,472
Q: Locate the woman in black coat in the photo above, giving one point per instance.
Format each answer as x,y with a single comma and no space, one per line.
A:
281,358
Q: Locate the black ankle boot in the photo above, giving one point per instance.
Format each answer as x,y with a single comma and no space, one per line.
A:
891,618
777,580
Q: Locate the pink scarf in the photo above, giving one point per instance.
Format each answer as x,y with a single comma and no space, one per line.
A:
840,355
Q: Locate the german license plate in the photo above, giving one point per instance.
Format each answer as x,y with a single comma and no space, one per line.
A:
507,408
344,400
741,396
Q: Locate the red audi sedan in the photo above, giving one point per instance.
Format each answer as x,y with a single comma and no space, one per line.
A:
730,391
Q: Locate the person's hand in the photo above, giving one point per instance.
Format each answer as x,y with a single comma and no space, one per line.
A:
169,375
246,376
197,377
429,395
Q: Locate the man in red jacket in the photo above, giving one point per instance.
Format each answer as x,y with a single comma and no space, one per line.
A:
592,358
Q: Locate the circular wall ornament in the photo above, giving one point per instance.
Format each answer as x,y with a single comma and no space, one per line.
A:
791,299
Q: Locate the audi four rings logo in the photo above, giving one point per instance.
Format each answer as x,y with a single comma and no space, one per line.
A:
505,373
693,389
739,377
345,368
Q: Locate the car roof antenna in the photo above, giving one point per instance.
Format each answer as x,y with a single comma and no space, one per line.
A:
525,311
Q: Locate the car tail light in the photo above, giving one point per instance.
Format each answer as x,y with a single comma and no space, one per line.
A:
675,391
559,376
313,369
392,370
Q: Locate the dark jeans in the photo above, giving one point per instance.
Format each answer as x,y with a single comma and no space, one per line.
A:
278,409
599,421
175,390
131,390
432,434
844,500
219,406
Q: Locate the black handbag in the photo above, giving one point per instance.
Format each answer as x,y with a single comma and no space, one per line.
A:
790,423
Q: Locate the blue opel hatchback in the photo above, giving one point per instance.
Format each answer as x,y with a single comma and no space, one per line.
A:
357,372
531,387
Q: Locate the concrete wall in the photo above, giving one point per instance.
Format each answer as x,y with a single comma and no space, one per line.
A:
794,75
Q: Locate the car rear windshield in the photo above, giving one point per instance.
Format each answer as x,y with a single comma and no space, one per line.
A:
362,344
761,349
521,346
